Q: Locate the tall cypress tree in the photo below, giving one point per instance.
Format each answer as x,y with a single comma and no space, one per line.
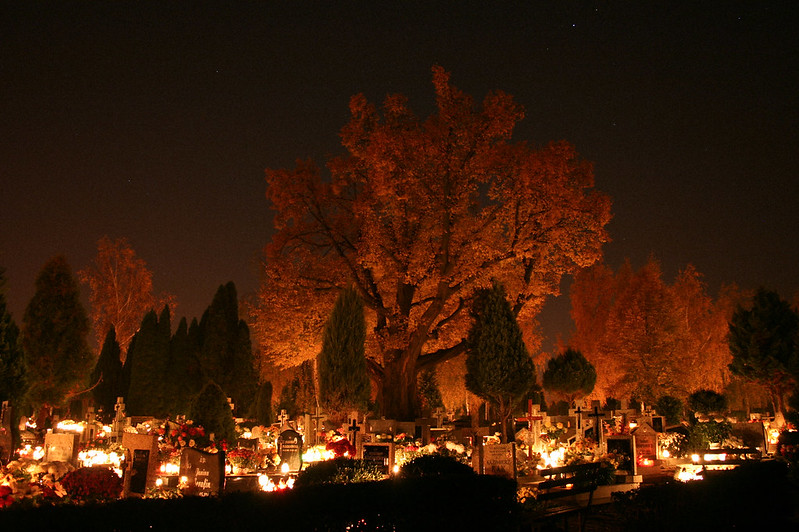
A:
343,379
106,378
13,368
185,375
211,410
226,350
498,366
55,327
148,365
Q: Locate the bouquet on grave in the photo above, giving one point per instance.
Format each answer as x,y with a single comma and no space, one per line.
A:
244,459
92,484
340,445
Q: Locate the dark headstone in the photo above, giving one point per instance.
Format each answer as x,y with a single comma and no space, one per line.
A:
624,448
142,461
380,455
202,473
289,448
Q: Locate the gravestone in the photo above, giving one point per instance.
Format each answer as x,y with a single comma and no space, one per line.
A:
61,447
752,435
202,473
577,414
316,425
499,459
380,455
382,429
646,442
289,448
624,447
141,462
659,423
248,443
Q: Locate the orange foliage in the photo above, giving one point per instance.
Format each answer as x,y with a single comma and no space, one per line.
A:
417,216
121,291
647,338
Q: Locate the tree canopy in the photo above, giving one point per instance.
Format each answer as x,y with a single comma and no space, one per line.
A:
417,215
763,341
55,327
570,375
13,366
498,367
648,338
120,291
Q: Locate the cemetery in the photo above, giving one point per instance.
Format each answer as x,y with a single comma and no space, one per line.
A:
589,469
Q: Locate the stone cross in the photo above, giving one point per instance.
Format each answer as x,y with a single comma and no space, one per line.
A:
533,419
318,419
119,416
439,415
598,429
578,413
353,430
283,418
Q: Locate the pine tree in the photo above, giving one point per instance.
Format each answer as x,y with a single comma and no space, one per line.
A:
226,350
148,360
13,368
569,375
498,367
106,378
343,380
429,393
55,327
298,396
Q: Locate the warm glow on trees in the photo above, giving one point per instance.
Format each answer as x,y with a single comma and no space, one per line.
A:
121,291
647,338
417,216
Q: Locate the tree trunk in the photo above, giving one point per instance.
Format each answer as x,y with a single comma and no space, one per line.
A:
398,387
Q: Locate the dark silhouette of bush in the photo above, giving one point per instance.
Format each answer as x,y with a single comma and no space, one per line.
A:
435,465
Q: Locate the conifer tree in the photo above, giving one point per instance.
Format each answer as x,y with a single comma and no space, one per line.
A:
106,378
226,350
55,327
343,379
211,410
298,396
498,366
763,341
185,375
262,406
569,375
13,369
148,365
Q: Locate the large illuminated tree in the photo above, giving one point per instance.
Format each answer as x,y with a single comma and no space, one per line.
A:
417,216
120,291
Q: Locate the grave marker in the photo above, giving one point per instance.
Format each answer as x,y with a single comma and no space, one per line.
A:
142,461
499,459
380,455
646,442
578,414
202,473
61,447
624,447
289,448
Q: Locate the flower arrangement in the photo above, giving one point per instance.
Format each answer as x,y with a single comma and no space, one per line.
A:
244,460
92,484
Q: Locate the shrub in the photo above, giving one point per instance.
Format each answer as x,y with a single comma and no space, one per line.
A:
338,471
707,402
671,408
435,465
701,435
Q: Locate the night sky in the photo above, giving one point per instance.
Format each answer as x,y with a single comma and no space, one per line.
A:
156,122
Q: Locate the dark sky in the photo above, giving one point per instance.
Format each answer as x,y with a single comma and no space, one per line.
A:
156,122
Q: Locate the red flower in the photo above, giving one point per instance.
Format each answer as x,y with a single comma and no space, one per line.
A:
5,496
